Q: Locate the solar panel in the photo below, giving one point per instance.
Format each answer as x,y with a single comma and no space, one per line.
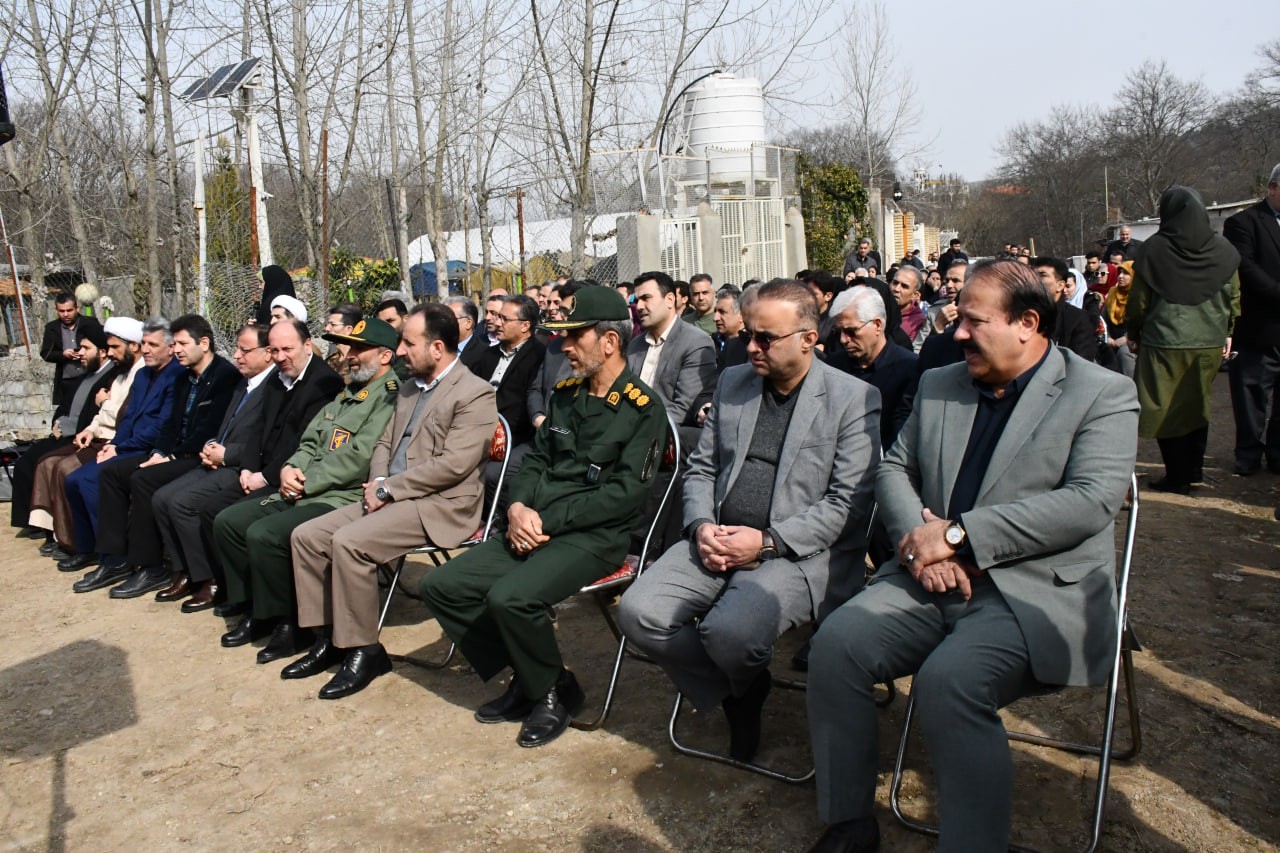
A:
227,80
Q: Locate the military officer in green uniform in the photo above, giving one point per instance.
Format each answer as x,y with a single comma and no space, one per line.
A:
326,472
572,507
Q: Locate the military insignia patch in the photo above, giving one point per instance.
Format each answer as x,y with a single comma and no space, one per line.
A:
633,393
363,395
642,401
614,398
649,461
392,385
358,328
339,438
627,390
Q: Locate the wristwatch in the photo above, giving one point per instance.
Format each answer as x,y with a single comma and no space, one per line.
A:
381,492
768,550
955,535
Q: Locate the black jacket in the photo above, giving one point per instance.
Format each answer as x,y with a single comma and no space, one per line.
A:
1255,233
212,390
286,414
51,348
1075,331
513,391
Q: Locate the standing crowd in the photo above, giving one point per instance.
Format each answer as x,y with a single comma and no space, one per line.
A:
989,411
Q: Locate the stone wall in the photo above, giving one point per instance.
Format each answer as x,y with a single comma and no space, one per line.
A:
25,389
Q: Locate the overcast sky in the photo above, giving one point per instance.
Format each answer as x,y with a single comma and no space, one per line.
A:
982,66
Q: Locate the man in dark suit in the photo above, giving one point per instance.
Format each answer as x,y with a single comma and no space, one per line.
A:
1001,493
73,414
1255,371
237,441
955,252
60,347
511,366
864,257
1072,329
300,384
775,500
126,522
868,355
1126,245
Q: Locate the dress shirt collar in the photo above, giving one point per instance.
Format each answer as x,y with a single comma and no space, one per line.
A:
425,386
662,338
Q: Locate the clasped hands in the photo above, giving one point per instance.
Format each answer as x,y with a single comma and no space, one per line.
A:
932,562
722,547
524,529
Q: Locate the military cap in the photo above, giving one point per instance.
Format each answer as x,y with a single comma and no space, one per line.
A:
593,305
369,333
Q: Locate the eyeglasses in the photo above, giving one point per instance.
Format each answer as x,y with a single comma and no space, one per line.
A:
242,351
851,331
502,319
764,340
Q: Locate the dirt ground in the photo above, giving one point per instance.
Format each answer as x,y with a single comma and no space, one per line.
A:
124,725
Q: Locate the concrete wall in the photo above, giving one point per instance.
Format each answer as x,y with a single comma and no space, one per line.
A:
26,386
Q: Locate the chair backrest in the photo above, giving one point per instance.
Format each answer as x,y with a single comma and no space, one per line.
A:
670,460
499,451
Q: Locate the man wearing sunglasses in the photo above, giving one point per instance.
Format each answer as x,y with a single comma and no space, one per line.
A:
774,504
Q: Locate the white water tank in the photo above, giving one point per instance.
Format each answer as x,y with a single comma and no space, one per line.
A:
723,118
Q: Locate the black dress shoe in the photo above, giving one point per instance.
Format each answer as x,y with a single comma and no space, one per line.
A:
60,555
286,641
850,836
52,547
202,597
361,666
510,707
104,575
76,562
140,583
1174,487
246,631
744,717
229,609
33,533
550,717
179,588
323,655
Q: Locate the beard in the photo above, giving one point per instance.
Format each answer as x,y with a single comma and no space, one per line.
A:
362,374
590,366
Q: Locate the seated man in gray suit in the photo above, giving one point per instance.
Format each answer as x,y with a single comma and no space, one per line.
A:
1001,492
774,505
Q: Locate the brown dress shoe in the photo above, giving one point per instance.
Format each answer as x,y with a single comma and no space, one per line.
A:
204,597
180,587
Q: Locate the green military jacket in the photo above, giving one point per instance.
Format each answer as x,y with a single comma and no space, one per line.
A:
592,462
336,446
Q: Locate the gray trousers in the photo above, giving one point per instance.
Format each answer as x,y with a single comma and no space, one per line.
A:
739,616
970,660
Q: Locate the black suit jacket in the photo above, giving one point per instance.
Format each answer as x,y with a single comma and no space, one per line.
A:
513,391
286,414
1075,331
1256,235
51,348
241,427
212,390
473,351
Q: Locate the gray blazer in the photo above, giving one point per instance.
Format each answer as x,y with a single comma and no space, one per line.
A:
1043,522
826,471
686,373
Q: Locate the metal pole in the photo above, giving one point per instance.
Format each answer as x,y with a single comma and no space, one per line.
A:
17,286
202,231
261,230
324,219
520,223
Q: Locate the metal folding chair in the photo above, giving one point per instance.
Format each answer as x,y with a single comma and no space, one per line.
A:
786,683
607,589
1122,667
500,448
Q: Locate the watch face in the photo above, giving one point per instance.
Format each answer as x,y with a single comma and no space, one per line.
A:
955,535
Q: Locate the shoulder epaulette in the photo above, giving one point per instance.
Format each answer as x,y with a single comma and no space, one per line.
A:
392,386
636,395
568,383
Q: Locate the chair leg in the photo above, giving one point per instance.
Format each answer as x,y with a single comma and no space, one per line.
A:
720,758
386,606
